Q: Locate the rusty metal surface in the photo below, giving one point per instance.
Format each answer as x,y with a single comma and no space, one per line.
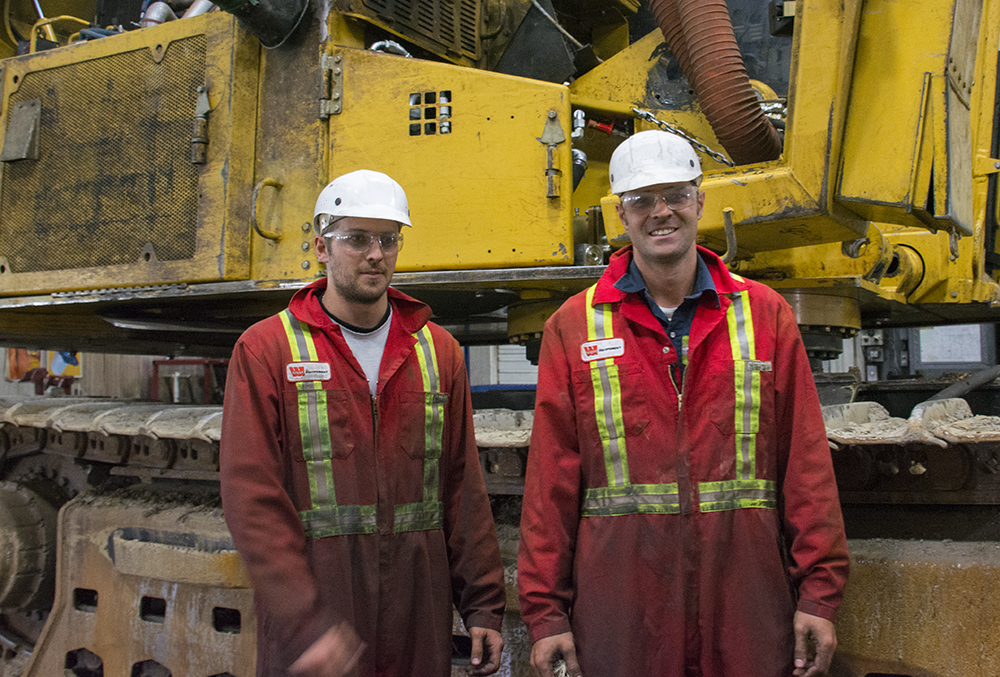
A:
141,579
920,608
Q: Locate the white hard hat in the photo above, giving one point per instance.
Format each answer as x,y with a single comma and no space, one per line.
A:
366,194
650,158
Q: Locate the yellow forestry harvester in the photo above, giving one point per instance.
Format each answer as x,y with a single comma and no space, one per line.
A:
158,167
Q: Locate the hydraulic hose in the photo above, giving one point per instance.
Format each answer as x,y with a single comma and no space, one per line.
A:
700,35
968,384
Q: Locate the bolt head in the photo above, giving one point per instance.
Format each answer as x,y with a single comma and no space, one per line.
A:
552,115
305,265
306,227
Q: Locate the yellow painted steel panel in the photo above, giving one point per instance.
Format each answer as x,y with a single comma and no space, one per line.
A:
477,188
114,199
898,118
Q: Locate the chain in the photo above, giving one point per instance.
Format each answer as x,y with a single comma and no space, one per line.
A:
667,127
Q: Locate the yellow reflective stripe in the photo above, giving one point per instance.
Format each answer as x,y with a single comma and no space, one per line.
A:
338,520
314,424
747,384
738,494
634,499
604,377
684,349
428,513
418,516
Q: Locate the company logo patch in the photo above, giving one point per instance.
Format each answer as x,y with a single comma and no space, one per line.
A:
307,371
602,350
758,365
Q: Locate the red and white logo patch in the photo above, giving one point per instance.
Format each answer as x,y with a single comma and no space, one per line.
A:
602,350
307,371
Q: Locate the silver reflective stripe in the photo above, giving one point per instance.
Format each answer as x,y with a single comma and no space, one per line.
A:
630,500
418,516
743,435
338,520
428,514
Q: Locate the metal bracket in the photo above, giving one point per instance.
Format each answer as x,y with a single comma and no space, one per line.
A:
332,85
552,136
21,141
199,142
727,216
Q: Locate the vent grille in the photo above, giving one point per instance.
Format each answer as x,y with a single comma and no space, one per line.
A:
114,182
451,25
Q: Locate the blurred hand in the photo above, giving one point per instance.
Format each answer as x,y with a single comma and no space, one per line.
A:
548,650
815,642
487,645
334,654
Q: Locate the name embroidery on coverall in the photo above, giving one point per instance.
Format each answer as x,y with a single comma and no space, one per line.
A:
621,497
326,517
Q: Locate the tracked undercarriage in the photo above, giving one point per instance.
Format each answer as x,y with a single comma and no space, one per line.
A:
117,559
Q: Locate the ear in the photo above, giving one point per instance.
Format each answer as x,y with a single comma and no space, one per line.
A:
621,215
701,203
322,254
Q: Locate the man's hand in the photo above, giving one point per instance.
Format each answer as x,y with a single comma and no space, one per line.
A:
548,650
486,648
335,654
815,642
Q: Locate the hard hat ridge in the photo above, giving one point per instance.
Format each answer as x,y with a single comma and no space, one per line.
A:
650,158
366,194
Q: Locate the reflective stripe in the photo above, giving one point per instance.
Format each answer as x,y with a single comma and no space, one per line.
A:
428,513
622,498
338,520
736,494
607,395
633,499
418,516
326,518
747,414
314,429
746,491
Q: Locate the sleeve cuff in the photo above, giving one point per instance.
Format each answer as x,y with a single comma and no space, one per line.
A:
549,628
484,619
816,609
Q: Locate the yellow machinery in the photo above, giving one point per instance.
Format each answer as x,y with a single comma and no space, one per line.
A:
156,192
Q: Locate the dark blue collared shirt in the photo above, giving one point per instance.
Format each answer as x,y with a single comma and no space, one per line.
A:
679,326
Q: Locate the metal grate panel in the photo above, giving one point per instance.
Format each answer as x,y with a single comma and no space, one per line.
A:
451,24
114,183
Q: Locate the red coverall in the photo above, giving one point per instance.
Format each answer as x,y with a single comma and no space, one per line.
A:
726,519
395,587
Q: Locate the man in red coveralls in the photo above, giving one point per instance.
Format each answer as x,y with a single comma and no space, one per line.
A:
350,475
680,511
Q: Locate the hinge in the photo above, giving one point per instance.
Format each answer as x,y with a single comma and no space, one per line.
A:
332,85
985,165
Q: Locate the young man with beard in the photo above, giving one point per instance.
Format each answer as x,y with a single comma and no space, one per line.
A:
680,514
350,474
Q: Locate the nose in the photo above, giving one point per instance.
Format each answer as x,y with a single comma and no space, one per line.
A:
375,251
660,208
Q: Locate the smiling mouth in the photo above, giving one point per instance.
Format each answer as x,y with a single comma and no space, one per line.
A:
662,231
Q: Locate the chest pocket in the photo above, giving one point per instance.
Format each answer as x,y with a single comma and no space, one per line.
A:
627,379
422,424
323,415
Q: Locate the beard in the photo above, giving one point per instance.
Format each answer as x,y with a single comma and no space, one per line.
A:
352,290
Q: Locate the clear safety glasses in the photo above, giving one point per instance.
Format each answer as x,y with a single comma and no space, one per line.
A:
361,241
674,197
